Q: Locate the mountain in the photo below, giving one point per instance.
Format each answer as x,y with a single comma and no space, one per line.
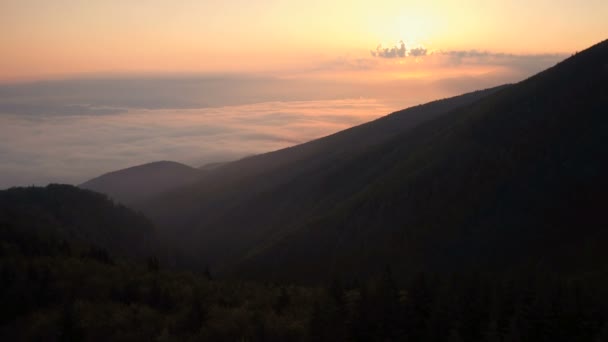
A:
211,166
141,182
511,180
241,205
494,180
71,269
46,218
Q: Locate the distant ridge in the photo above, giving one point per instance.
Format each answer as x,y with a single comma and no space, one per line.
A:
138,183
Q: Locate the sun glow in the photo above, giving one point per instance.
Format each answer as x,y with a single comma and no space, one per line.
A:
70,37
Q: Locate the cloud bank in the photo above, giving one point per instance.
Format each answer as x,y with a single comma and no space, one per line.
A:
524,62
75,129
73,148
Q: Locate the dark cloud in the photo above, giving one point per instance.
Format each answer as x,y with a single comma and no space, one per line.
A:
397,51
417,52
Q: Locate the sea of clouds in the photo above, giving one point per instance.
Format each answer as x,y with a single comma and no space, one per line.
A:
71,148
71,130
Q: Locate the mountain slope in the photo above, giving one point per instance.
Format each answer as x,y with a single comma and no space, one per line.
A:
141,182
501,181
514,179
61,286
66,213
63,278
238,206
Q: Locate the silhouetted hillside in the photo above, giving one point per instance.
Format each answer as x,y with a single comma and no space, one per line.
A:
243,205
142,182
212,166
46,218
58,284
63,277
514,179
503,178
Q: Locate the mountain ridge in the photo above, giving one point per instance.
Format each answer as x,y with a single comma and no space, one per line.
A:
494,148
64,213
136,183
421,196
218,200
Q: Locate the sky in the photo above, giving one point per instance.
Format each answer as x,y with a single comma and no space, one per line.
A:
44,38
88,87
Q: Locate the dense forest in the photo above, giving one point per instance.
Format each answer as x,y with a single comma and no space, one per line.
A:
57,288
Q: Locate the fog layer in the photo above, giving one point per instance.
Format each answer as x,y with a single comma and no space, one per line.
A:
73,148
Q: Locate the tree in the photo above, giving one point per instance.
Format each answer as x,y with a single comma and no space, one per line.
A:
153,264
70,327
282,302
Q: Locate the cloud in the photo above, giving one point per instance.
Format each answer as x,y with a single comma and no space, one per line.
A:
520,63
345,63
37,109
470,54
494,56
73,148
417,52
106,94
398,51
71,130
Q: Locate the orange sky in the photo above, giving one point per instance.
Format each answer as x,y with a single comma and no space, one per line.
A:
135,81
42,39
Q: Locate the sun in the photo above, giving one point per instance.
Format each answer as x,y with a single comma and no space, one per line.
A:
415,26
